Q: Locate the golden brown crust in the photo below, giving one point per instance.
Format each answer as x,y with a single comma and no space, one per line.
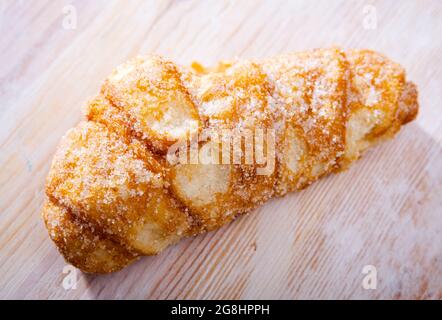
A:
311,88
150,93
117,186
112,194
81,244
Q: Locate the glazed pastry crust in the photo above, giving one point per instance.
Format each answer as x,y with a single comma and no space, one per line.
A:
112,196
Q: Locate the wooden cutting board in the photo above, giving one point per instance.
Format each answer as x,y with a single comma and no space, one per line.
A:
383,213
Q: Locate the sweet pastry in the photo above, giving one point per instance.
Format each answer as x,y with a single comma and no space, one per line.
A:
119,186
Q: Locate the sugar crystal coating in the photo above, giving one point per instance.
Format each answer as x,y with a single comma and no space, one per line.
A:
112,196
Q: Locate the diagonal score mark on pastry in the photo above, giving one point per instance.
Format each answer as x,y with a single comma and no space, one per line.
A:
111,194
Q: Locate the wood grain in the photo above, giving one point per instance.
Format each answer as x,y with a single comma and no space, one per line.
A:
385,211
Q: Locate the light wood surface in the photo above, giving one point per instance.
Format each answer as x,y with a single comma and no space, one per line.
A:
385,211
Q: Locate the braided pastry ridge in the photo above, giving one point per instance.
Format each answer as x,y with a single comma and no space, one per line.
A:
112,194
